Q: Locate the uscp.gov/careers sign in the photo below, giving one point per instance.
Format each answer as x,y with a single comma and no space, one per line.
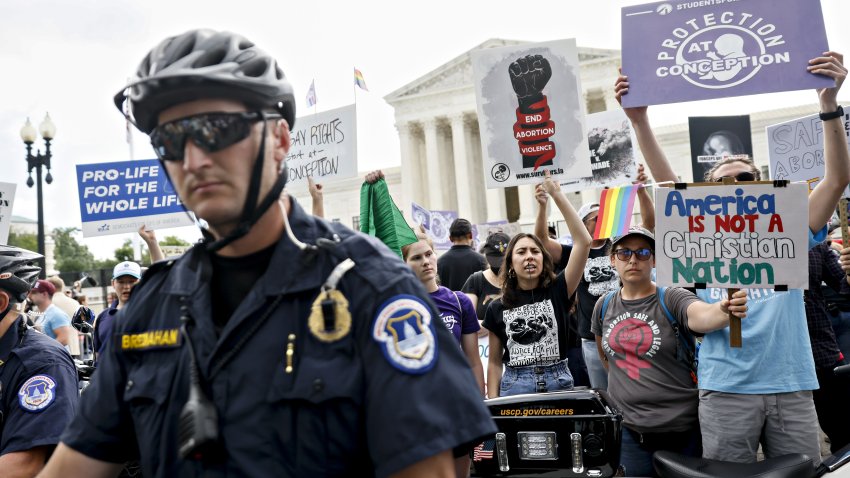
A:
749,236
120,197
701,49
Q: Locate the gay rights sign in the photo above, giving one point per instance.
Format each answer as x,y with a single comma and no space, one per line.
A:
120,197
748,236
696,50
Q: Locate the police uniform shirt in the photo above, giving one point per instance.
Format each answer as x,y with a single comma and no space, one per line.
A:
38,389
389,392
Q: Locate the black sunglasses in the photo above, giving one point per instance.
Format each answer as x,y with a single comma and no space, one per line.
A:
625,254
209,131
745,176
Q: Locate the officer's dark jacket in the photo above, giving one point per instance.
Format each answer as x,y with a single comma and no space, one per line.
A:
38,389
344,409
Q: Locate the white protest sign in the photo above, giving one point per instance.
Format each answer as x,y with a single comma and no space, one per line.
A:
795,149
324,147
531,113
748,236
7,200
173,251
612,152
121,197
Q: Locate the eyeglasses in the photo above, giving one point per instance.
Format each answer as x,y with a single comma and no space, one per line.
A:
745,176
626,254
209,131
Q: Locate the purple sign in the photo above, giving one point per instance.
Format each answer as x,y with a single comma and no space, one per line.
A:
439,231
691,50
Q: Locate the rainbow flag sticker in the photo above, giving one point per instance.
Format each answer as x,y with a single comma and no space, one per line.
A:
615,211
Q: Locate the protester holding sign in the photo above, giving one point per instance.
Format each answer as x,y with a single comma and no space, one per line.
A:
761,392
645,339
529,322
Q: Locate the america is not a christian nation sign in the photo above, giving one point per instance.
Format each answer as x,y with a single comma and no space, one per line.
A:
690,50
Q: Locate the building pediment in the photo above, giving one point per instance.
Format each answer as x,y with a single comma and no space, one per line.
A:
457,73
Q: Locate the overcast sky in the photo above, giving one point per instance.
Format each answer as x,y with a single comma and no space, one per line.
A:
70,58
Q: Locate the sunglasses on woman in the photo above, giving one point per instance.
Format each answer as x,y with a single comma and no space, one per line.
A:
745,176
625,254
209,131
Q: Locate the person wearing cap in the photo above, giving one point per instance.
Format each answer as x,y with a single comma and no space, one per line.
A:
54,322
529,335
761,394
648,381
461,261
599,276
282,344
125,276
484,286
38,381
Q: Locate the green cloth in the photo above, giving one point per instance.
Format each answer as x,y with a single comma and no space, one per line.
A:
380,217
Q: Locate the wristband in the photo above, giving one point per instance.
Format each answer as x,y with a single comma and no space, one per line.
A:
835,114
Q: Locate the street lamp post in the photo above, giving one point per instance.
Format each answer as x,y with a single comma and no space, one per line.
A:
29,135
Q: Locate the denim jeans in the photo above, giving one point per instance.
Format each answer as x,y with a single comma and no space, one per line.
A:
519,380
595,369
636,457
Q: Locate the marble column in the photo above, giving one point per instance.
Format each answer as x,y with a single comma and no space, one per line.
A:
461,167
432,162
411,182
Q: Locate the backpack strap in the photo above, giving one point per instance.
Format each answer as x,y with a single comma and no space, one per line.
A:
605,301
684,341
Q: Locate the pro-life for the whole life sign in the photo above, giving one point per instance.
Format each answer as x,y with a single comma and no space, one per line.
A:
120,197
737,236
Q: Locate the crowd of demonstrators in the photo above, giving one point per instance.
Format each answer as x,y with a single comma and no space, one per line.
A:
762,393
125,276
369,382
52,321
598,278
645,337
528,323
833,394
38,394
461,261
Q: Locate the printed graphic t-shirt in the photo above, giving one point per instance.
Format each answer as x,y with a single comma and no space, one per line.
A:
599,278
485,291
535,331
456,311
646,381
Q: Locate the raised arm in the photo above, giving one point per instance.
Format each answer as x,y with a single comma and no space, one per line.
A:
541,224
825,196
649,147
704,318
318,197
149,236
581,238
647,208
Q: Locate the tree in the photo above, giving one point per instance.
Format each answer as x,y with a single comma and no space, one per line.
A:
24,241
71,256
173,241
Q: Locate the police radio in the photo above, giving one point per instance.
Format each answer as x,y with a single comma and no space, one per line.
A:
197,429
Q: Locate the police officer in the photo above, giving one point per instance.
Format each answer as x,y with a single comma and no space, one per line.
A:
38,380
257,354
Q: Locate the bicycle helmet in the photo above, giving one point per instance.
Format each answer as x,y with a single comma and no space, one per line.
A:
19,270
204,64
207,64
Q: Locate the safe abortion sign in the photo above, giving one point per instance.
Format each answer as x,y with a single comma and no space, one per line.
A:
120,197
749,236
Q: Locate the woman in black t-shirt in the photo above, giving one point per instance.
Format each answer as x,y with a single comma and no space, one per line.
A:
528,323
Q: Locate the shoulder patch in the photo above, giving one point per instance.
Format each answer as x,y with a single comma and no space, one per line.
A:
404,329
37,393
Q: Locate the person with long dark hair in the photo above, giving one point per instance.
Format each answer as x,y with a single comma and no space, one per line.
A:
528,322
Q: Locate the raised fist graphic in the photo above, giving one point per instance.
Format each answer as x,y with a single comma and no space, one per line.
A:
528,76
533,128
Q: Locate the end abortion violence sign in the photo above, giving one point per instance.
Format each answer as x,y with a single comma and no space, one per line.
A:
120,197
750,236
690,50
